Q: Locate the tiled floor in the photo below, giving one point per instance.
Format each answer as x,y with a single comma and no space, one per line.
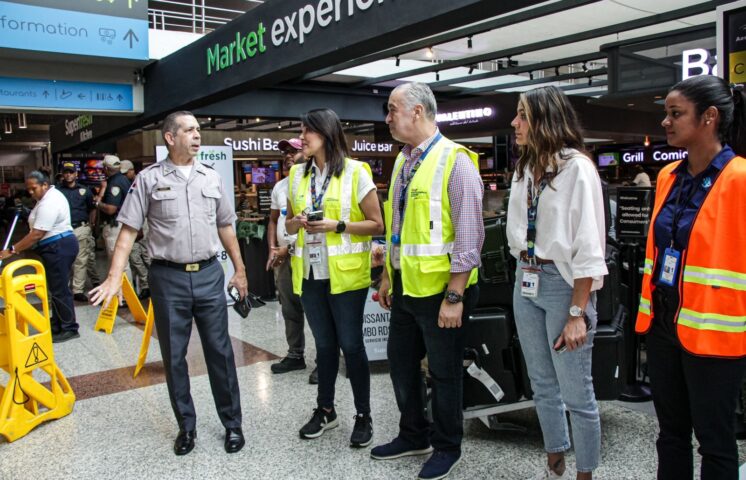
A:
124,428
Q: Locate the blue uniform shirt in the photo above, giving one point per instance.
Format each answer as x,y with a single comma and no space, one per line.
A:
80,199
693,193
117,187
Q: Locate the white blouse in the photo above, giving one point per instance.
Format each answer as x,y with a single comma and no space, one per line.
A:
569,223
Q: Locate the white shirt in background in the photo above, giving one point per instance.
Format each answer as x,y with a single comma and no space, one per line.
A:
642,180
569,223
51,214
279,202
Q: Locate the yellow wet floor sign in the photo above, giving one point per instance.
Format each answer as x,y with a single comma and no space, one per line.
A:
145,344
108,315
26,346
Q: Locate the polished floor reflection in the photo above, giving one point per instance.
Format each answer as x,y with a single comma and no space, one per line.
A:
124,428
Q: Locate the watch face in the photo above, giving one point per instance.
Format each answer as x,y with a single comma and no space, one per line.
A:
576,311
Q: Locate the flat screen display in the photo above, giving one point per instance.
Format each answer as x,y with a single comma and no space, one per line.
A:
608,159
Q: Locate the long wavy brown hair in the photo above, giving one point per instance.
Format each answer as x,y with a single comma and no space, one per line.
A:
552,125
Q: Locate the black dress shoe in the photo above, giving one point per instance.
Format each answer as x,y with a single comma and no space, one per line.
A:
184,442
234,440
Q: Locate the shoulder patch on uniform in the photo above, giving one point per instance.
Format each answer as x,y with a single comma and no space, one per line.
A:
115,191
82,191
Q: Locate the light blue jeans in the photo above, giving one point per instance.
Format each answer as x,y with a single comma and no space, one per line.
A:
558,380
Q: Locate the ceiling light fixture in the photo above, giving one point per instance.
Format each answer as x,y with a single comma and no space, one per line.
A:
556,71
258,119
531,75
437,76
398,61
8,127
585,67
471,69
22,120
590,81
469,43
429,53
647,141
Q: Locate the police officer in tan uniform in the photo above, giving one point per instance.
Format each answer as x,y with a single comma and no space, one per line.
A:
189,217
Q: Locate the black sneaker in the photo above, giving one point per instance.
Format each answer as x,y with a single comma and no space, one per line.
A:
288,364
64,336
320,421
313,379
362,432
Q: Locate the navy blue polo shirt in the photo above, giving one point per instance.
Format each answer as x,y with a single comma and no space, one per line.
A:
117,187
80,199
693,193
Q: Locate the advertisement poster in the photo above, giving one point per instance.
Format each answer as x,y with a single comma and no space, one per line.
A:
731,41
221,159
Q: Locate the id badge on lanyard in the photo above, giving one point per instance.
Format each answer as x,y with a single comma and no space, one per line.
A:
530,282
670,268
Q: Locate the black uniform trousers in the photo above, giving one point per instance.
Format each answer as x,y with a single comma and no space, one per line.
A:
178,297
691,393
58,257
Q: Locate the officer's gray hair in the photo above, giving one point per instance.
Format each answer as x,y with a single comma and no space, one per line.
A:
171,122
418,93
40,177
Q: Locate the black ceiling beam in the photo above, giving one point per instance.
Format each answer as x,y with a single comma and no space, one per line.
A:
588,57
536,81
529,14
555,42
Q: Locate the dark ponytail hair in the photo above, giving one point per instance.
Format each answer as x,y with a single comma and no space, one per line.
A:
706,91
325,122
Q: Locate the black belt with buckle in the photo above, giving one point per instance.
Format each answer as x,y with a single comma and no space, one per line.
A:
79,224
185,267
537,260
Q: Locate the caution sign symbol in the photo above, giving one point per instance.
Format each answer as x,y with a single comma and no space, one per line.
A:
36,356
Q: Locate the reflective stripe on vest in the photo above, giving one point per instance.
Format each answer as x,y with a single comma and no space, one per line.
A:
644,306
426,250
712,321
648,267
336,250
715,277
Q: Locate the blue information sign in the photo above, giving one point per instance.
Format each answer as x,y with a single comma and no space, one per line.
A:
63,95
30,27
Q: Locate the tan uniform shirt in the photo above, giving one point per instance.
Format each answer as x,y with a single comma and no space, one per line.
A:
183,214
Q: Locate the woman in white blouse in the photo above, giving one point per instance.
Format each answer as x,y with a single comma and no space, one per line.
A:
556,231
51,237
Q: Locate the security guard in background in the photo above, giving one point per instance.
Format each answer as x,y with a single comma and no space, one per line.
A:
111,202
139,258
81,201
189,217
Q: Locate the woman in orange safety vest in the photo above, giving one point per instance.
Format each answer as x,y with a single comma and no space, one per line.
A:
693,303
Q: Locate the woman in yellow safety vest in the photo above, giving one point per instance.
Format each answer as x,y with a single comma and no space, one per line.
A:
333,206
693,302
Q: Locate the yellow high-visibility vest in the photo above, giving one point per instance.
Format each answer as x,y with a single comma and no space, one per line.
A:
427,233
349,255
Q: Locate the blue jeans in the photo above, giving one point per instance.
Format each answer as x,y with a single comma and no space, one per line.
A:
559,380
414,333
336,321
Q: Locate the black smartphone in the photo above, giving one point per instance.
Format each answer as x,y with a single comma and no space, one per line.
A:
563,347
315,216
240,305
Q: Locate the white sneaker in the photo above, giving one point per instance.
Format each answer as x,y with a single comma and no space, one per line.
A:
548,474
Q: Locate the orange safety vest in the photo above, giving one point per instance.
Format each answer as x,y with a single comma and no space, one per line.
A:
711,317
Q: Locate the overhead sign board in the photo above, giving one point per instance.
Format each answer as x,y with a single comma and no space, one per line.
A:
71,31
30,93
731,41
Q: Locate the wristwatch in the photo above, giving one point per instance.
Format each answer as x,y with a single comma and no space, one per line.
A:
341,226
576,311
453,297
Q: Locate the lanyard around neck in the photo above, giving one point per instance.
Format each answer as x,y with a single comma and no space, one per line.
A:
316,200
532,203
407,179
